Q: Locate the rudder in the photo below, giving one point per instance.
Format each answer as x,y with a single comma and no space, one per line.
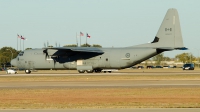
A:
169,34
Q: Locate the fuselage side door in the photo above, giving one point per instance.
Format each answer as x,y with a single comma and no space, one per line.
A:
104,61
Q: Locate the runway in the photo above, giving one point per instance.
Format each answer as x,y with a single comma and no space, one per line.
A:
103,74
102,84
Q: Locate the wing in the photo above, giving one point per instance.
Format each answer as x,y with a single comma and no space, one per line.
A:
64,54
78,49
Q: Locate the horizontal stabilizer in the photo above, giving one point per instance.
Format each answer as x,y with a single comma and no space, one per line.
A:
183,48
170,48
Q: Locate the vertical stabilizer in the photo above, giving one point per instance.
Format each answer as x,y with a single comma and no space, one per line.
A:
169,34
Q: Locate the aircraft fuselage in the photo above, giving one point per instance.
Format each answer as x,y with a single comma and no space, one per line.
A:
112,58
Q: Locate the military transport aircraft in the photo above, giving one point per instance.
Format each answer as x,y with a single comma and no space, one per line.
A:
92,59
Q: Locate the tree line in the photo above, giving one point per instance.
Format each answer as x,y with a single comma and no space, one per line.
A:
6,54
184,57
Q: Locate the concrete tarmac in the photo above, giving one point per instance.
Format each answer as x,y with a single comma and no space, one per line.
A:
102,84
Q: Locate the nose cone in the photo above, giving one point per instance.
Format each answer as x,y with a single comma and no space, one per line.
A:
14,62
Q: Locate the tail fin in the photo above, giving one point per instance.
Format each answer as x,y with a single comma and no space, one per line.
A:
169,34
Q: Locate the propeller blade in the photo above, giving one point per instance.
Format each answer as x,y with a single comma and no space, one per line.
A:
54,62
46,54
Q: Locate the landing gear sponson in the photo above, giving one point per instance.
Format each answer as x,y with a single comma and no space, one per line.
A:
89,71
97,71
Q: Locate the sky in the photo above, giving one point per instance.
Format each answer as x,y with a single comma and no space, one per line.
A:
110,23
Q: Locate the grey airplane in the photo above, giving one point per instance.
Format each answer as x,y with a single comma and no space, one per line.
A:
92,59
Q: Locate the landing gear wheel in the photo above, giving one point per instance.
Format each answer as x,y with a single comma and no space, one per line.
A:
27,71
89,71
81,71
97,70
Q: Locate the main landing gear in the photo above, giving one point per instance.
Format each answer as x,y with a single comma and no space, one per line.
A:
95,70
27,71
88,71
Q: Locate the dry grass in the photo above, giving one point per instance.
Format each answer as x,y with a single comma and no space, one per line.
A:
100,98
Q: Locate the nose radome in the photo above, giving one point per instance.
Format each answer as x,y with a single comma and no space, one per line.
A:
14,62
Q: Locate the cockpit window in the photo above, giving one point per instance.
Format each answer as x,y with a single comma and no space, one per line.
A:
21,53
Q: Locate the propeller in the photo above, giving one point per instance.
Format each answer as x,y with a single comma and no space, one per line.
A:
46,54
54,63
55,59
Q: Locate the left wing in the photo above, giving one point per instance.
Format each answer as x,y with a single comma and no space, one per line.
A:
77,49
62,54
